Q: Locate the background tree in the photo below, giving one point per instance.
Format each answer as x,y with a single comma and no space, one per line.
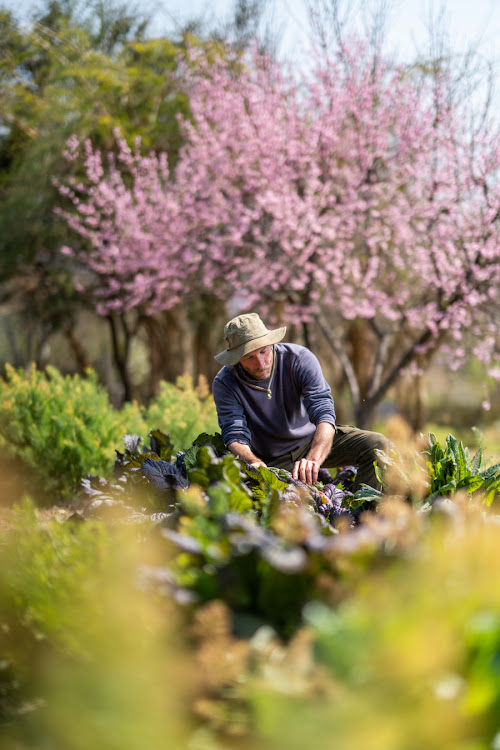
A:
52,79
357,198
76,68
86,68
246,196
469,77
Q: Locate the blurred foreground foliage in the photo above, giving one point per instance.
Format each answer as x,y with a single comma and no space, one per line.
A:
86,656
398,646
239,616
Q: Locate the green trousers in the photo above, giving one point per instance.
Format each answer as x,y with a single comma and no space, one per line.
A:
350,447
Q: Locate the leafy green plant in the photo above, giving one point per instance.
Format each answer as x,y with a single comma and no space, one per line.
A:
452,469
82,600
60,428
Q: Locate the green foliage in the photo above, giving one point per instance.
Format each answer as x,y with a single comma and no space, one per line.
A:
81,69
191,454
183,410
267,491
81,642
64,428
224,554
46,570
401,615
77,69
223,520
452,469
61,428
409,649
261,528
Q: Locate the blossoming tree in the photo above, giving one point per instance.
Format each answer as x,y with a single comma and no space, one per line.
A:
357,195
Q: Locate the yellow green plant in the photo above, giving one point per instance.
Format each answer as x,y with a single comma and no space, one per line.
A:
183,410
88,656
61,428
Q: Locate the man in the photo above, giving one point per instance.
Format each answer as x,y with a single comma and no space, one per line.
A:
275,407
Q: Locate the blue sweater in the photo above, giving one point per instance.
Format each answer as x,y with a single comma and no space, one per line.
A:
301,398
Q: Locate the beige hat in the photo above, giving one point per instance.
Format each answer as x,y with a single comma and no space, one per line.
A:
245,334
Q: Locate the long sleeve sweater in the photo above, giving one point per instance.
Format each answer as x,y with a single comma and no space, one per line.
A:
300,399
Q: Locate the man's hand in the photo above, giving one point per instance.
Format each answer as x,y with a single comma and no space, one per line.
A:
256,464
306,470
245,453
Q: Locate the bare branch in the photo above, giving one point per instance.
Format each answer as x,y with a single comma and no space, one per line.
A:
380,362
344,360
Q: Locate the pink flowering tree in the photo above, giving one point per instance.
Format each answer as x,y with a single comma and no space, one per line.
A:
135,259
356,199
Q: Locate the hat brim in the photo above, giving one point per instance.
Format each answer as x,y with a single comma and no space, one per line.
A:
232,356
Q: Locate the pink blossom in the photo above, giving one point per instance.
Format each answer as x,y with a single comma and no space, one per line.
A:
351,194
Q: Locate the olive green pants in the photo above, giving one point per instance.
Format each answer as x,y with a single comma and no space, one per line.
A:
350,447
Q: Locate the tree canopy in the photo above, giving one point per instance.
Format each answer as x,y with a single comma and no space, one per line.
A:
357,194
75,68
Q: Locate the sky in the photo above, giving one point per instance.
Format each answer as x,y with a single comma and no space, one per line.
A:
468,21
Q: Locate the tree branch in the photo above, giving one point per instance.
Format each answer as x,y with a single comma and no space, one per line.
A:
380,360
343,359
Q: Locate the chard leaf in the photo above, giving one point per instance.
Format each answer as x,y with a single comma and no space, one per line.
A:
453,450
447,489
215,441
490,490
470,483
200,477
231,469
132,443
464,468
161,444
270,505
365,494
225,496
162,475
490,472
219,501
271,480
208,467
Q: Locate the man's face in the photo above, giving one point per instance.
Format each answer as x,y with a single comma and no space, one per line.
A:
258,364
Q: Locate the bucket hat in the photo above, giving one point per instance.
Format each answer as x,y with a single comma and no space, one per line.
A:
245,334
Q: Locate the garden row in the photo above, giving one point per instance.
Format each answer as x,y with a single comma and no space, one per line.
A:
192,601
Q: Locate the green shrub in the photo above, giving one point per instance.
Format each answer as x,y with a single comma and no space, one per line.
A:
183,410
81,642
61,428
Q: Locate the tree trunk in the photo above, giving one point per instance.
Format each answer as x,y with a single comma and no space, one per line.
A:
16,358
365,414
411,401
209,318
121,337
362,346
170,346
310,336
81,356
